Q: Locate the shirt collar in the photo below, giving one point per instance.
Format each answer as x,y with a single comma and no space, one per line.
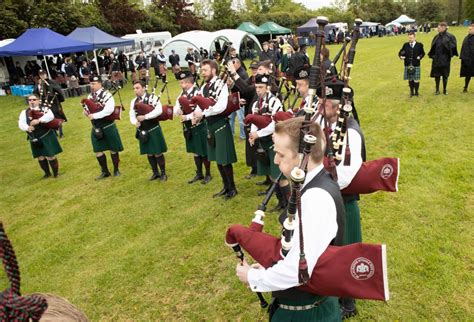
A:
311,174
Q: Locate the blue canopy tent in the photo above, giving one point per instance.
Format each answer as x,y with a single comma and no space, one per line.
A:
43,41
98,39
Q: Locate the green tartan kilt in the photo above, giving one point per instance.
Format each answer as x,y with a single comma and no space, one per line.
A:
49,146
328,311
223,152
353,231
270,169
111,140
415,76
156,143
197,144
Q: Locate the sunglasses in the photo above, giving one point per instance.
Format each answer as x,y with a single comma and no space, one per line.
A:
32,99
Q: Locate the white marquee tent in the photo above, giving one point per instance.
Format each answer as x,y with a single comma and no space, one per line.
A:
198,38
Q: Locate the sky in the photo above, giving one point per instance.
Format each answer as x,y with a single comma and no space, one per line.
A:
315,4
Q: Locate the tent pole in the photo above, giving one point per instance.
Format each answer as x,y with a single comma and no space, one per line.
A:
96,63
47,67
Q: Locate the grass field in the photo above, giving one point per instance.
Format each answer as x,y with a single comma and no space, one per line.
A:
129,249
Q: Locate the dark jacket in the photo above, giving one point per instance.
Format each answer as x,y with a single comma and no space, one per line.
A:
297,60
467,56
268,55
411,54
443,47
154,61
47,92
174,59
467,50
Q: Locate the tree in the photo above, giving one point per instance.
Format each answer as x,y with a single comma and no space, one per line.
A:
91,16
469,10
430,10
178,12
60,17
122,16
224,17
10,25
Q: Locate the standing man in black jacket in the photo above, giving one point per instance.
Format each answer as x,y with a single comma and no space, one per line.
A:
443,47
174,62
467,57
412,52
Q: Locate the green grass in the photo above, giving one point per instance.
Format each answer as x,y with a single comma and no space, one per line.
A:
129,249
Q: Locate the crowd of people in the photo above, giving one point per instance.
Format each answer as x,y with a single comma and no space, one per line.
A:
271,127
443,48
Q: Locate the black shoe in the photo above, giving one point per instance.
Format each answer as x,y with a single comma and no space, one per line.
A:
164,177
56,175
345,313
445,92
46,175
206,179
348,308
464,90
265,182
437,93
230,194
416,94
116,173
155,176
103,175
250,176
196,178
220,193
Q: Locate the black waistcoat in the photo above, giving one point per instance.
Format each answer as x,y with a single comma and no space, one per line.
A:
322,180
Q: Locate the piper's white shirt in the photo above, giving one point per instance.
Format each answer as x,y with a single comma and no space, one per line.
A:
109,104
221,103
274,105
319,227
177,107
157,110
46,118
345,173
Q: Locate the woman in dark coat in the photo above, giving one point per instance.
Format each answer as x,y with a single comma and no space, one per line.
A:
443,47
467,57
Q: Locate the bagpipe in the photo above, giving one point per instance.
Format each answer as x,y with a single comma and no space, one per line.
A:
93,106
37,114
261,117
376,175
142,108
215,90
357,270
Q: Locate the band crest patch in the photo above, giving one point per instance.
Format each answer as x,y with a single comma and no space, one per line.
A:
362,269
386,172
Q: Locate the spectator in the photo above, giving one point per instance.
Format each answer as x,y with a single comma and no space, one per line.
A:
84,73
174,62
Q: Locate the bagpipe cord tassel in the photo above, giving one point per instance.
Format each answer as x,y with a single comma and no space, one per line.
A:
303,275
13,306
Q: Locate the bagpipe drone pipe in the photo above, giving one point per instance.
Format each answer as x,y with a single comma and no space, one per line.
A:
357,270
